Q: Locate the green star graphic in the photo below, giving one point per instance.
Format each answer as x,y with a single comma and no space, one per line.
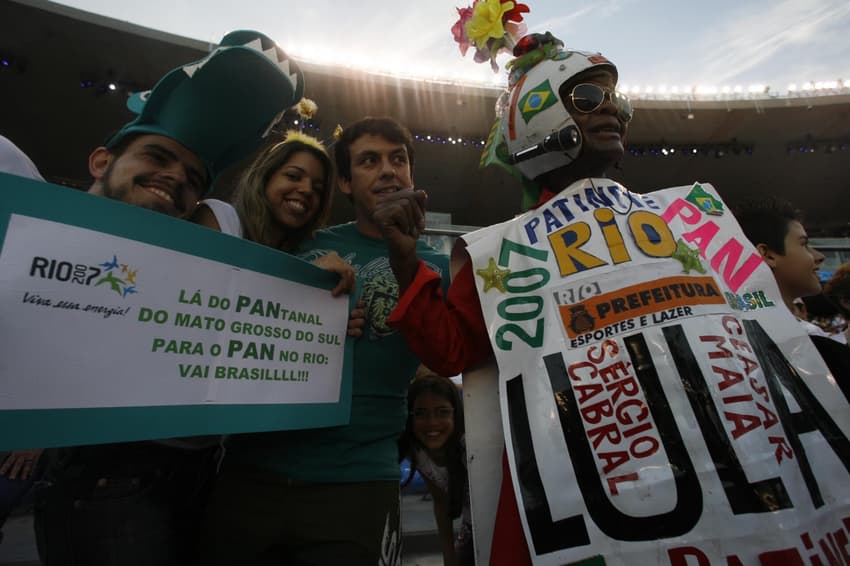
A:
688,257
494,278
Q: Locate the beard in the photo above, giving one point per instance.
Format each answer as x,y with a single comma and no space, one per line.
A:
124,192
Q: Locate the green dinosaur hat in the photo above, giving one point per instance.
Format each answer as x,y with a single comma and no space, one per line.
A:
222,106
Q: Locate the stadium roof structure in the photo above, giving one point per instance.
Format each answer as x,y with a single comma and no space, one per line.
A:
65,75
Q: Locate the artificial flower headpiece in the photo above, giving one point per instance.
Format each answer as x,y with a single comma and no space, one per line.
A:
529,51
493,26
527,110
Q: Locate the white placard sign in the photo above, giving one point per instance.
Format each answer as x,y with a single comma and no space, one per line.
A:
120,324
95,320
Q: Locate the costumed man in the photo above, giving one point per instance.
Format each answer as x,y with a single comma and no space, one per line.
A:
607,329
140,502
331,495
572,128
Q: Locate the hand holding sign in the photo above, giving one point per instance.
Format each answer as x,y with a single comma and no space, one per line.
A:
332,262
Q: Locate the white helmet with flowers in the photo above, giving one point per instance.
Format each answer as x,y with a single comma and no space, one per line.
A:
539,133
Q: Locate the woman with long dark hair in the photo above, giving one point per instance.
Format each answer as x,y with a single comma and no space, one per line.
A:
283,197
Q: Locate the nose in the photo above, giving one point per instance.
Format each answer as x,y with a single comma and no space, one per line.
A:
387,168
175,171
819,257
305,185
608,105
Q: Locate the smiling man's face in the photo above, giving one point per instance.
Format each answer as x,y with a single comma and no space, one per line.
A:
378,166
154,172
796,269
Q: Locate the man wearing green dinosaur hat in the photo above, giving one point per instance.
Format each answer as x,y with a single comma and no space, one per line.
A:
138,503
198,120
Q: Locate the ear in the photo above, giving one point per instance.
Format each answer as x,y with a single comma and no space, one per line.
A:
767,254
99,161
344,185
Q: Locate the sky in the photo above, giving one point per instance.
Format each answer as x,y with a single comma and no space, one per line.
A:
654,43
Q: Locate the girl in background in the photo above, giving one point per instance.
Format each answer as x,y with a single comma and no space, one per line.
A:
433,441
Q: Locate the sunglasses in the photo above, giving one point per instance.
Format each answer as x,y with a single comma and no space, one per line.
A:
588,97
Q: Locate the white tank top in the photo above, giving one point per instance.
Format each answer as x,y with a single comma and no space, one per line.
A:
226,217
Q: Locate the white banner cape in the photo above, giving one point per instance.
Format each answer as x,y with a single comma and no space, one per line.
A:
660,404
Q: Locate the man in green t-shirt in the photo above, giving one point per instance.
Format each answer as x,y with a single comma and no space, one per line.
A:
331,496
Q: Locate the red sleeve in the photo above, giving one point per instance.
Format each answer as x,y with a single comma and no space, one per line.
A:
509,547
447,334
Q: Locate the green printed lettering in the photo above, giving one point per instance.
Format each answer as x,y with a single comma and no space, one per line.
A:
192,370
288,356
147,315
241,302
194,299
183,347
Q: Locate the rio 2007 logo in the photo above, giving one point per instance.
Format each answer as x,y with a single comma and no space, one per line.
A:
112,274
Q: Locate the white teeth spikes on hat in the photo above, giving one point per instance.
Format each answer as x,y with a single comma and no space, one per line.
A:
272,54
137,100
221,107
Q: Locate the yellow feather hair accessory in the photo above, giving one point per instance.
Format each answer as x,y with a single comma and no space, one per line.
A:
306,108
295,135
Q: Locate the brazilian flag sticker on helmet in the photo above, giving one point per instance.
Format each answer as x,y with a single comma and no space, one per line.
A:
537,100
